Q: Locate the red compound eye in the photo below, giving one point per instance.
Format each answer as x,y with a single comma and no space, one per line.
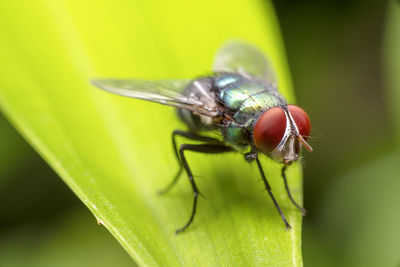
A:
301,119
269,129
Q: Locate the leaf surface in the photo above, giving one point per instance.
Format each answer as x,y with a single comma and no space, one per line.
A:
115,152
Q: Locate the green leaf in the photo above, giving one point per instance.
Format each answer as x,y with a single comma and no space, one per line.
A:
61,242
115,153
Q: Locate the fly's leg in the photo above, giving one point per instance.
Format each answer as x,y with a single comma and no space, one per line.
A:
203,148
268,187
178,174
191,136
303,211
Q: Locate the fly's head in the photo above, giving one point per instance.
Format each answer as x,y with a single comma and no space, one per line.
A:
281,131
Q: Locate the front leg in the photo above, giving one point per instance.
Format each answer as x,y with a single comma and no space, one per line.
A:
269,190
303,210
254,156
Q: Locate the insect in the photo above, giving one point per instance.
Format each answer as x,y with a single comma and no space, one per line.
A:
239,103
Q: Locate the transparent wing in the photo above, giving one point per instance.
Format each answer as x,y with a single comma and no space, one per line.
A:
166,92
236,56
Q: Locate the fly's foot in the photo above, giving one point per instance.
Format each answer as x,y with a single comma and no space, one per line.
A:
303,211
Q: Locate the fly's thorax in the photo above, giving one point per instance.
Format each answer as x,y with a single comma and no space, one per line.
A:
237,137
244,100
239,93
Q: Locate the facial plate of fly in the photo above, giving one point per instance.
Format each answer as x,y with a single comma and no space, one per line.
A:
240,102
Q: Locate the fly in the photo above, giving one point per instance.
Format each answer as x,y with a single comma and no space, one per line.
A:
239,102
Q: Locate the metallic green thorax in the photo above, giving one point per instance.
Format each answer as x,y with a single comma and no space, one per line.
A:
242,98
245,100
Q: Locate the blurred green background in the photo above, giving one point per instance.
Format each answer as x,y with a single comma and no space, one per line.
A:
342,60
